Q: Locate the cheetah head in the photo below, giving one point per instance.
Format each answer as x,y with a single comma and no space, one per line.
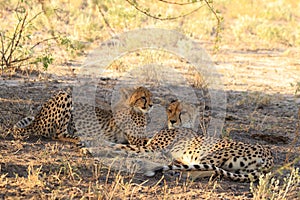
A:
174,114
182,115
140,100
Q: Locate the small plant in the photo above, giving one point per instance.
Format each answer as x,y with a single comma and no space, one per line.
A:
45,60
34,178
18,47
74,47
3,180
297,88
273,188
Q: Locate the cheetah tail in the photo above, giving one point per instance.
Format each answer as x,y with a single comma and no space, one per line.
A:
205,167
131,148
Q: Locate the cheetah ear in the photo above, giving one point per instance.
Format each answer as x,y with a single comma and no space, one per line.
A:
180,106
125,93
165,100
159,100
172,101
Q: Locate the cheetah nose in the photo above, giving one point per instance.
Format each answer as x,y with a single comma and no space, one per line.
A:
173,121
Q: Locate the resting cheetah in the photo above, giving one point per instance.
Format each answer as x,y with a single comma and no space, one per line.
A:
235,160
55,119
191,152
51,121
127,124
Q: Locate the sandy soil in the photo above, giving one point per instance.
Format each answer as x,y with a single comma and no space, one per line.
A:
261,108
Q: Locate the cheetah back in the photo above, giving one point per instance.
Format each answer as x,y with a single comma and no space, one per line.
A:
51,121
235,160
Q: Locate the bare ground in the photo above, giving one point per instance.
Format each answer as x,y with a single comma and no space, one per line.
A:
261,108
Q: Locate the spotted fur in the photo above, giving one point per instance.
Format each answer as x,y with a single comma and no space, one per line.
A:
193,152
24,122
51,121
125,124
56,120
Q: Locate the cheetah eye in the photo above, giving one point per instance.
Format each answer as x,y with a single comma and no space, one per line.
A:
169,110
144,98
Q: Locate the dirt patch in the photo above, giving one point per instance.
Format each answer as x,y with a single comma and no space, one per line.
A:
261,109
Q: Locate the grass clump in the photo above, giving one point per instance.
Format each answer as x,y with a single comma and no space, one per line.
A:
273,188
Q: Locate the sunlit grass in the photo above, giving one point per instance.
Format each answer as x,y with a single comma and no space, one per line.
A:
85,24
273,22
274,188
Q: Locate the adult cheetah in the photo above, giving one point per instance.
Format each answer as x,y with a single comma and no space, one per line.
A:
193,152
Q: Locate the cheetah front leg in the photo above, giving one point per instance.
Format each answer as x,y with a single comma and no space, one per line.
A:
63,135
66,137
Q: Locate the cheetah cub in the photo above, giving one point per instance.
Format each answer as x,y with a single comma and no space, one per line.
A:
56,118
126,124
50,122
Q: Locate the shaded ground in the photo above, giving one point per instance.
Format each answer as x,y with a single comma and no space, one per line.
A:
261,109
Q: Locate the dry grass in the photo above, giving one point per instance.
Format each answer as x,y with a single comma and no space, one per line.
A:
268,24
258,60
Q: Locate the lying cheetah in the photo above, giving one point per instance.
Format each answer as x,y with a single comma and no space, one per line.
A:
165,137
191,152
50,122
126,125
235,160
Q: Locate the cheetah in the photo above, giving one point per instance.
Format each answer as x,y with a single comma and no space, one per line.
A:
166,136
234,160
126,124
55,119
50,122
190,151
